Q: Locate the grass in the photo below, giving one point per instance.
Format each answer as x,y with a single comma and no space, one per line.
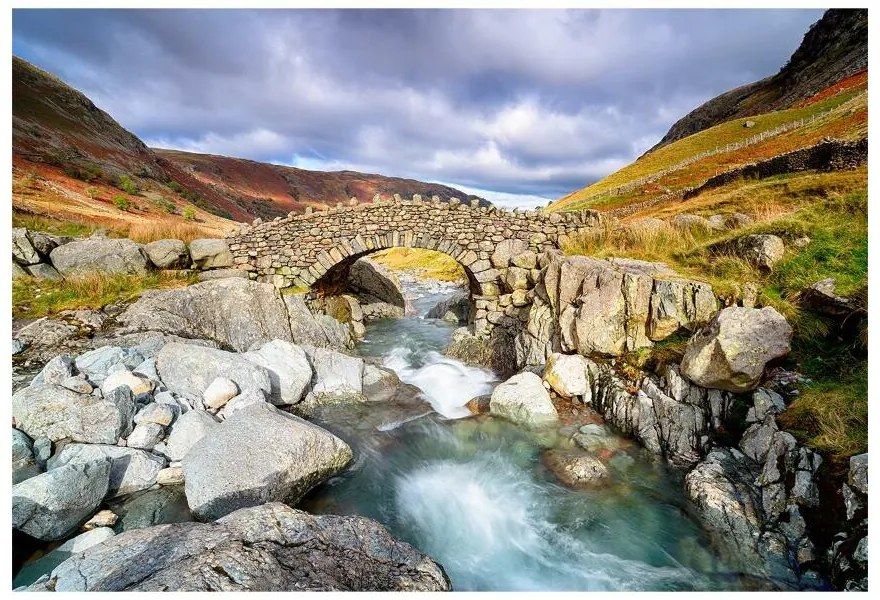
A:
67,228
143,232
428,264
150,231
34,298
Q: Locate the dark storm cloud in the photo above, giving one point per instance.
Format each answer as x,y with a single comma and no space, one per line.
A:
525,102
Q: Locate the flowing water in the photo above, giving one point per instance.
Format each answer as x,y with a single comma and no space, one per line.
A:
474,494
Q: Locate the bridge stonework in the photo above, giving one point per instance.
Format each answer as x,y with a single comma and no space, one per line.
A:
315,249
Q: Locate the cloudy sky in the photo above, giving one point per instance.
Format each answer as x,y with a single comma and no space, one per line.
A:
526,105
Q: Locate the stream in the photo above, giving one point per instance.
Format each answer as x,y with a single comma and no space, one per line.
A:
474,494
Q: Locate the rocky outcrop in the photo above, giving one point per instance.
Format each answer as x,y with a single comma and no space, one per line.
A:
267,548
375,283
761,250
131,470
168,254
259,454
732,351
52,505
102,255
236,313
210,254
523,400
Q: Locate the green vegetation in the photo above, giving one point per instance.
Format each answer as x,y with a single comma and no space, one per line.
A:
165,204
196,199
35,298
428,264
92,192
87,172
127,185
189,213
121,202
53,226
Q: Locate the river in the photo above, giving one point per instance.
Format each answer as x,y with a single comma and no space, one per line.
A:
473,492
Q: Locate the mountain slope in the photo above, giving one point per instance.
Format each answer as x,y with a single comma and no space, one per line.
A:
267,190
72,162
834,48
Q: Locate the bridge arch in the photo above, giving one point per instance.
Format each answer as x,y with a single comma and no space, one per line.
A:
316,248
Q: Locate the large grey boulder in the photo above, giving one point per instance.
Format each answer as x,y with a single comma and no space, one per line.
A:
236,313
56,413
731,352
335,372
314,330
188,370
23,251
131,470
762,250
167,254
523,400
51,505
97,364
375,282
568,374
265,548
24,465
102,255
44,565
159,506
289,370
576,469
186,432
210,253
258,455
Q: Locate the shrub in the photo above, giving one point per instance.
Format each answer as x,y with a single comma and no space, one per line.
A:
189,213
121,202
92,192
127,185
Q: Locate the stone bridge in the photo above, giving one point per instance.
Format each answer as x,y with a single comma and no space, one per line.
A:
497,248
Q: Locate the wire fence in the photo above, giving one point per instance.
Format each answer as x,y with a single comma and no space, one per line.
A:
755,139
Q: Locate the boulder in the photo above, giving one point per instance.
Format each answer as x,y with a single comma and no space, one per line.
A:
241,401
821,297
24,464
314,330
576,469
56,370
52,505
188,370
289,370
170,476
454,309
187,431
219,392
158,506
97,364
691,222
156,412
236,313
18,272
266,548
335,372
258,455
479,405
210,254
506,250
762,250
145,436
102,255
23,251
379,384
137,385
44,271
731,352
56,413
131,470
222,274
44,565
567,374
523,400
376,282
167,254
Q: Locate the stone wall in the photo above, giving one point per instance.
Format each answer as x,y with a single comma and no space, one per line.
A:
318,248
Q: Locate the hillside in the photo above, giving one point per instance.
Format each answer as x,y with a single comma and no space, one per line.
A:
268,190
834,48
76,169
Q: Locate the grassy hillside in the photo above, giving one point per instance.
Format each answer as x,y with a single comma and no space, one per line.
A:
847,119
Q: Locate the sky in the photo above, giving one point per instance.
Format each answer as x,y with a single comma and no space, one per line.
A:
519,106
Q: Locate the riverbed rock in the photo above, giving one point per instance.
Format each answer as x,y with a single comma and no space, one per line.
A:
576,469
24,464
97,364
335,372
567,375
145,436
52,505
220,391
762,250
731,352
378,383
236,313
131,470
314,330
375,282
186,432
523,400
104,255
265,548
480,405
454,309
167,254
208,253
56,413
137,385
45,564
188,370
156,412
259,454
289,370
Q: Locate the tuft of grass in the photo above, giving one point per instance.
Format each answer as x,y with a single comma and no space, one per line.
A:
427,264
92,192
150,231
53,226
34,298
189,213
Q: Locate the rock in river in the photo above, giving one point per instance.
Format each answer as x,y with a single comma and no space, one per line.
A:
523,400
